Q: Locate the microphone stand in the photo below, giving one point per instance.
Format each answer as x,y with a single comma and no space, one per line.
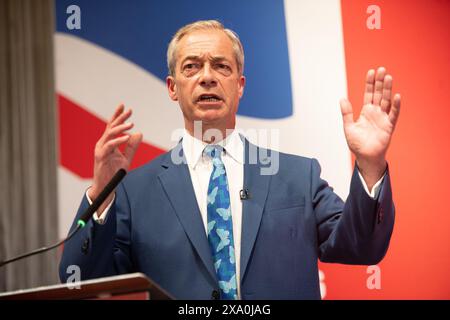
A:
112,184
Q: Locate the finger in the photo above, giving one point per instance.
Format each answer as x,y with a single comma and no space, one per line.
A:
132,145
395,109
114,143
121,118
368,90
114,132
111,132
347,111
379,80
118,111
387,92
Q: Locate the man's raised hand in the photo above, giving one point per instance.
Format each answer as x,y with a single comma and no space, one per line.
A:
369,136
108,159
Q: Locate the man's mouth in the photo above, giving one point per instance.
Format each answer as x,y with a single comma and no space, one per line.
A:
209,98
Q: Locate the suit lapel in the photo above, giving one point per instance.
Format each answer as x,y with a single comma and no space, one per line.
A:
252,209
177,184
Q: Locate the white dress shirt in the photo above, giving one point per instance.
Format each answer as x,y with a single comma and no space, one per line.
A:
200,168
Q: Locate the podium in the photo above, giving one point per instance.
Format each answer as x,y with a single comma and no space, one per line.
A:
133,286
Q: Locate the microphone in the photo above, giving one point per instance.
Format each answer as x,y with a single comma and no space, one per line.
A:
112,184
244,194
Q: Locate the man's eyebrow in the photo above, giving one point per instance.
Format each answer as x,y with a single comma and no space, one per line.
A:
218,59
191,57
196,58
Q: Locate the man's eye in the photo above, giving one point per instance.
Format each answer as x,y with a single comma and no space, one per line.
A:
223,66
190,66
189,69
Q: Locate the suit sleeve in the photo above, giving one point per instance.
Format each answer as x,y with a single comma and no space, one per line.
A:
100,250
357,231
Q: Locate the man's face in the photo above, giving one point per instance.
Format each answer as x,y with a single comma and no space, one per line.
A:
207,84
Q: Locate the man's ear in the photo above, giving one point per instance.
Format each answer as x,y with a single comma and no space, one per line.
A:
241,84
172,88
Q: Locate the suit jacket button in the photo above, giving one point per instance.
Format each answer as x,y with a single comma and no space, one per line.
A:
215,295
85,246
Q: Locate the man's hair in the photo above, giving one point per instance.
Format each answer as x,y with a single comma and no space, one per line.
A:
204,25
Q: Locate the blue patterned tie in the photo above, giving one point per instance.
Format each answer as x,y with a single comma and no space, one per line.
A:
220,226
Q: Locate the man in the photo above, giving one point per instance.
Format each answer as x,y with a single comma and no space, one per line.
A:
214,226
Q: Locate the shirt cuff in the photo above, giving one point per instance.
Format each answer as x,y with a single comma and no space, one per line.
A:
375,189
102,218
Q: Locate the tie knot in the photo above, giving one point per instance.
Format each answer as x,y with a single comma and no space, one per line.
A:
213,151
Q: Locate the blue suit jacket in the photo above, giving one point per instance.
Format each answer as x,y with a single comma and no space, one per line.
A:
292,219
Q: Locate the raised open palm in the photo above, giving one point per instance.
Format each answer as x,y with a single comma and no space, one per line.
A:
369,136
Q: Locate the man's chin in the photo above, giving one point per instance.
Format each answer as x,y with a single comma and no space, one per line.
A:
212,116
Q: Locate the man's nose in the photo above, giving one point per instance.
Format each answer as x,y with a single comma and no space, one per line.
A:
207,77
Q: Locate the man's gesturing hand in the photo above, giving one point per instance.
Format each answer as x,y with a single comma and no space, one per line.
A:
107,156
369,137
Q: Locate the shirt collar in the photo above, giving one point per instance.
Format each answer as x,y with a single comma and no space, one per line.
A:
193,148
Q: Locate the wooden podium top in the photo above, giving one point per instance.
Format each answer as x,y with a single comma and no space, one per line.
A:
101,288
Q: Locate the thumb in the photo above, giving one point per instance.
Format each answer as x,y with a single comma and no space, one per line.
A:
347,111
132,145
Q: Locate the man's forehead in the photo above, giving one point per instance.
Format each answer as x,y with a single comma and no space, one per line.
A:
199,43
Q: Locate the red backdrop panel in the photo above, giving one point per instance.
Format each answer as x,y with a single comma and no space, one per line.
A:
413,44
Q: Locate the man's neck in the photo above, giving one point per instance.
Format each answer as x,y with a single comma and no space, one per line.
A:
208,134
